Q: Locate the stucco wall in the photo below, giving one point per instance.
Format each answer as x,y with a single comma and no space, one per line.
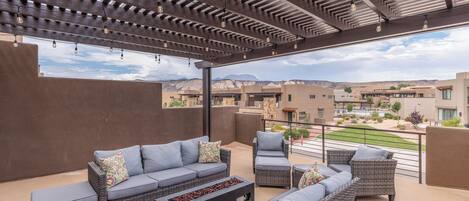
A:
52,125
425,106
447,162
246,127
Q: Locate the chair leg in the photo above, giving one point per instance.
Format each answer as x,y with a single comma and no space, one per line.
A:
391,197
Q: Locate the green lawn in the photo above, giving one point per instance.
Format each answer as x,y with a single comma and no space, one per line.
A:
379,138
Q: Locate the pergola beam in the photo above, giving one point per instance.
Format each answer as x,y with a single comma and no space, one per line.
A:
98,8
408,25
382,8
19,30
319,14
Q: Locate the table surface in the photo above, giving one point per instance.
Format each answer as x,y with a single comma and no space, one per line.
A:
245,184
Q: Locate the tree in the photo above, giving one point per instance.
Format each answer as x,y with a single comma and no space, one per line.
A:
349,107
396,107
415,118
369,100
393,88
176,103
348,89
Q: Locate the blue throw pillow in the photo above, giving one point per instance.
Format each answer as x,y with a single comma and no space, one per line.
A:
369,153
269,141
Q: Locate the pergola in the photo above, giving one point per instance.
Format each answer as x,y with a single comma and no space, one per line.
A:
226,32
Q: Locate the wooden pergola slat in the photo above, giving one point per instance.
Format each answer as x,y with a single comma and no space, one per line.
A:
384,8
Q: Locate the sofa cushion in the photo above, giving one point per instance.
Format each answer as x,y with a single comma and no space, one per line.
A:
272,163
173,176
335,182
132,157
341,167
74,192
114,167
310,193
209,152
161,157
324,170
270,153
133,186
284,194
369,153
190,150
269,141
205,169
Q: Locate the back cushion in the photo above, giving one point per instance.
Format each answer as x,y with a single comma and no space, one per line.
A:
310,193
334,182
132,158
161,157
269,141
369,153
190,150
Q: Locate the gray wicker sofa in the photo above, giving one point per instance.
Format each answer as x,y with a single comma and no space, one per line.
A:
158,170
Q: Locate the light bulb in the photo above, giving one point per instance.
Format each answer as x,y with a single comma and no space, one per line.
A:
76,48
105,30
273,52
267,39
15,43
19,19
245,56
159,8
165,44
353,7
122,54
425,24
295,46
223,24
206,49
54,44
378,28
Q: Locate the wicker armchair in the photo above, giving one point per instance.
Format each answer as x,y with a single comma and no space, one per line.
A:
376,177
285,146
97,179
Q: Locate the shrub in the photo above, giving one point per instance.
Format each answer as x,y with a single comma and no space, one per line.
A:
400,126
303,132
293,133
425,120
388,116
364,121
354,121
455,122
380,119
415,118
396,107
349,107
277,128
176,103
362,117
375,115
396,117
347,118
340,122
353,116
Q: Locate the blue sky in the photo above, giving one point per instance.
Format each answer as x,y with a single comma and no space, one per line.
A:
433,55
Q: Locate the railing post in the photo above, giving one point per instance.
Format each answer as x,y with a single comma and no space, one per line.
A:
364,136
291,138
263,124
323,144
420,158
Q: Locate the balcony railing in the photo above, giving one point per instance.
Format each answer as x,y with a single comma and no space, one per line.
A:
406,146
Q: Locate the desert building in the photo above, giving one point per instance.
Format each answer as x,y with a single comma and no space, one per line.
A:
452,99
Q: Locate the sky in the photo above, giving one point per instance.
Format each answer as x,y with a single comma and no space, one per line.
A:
432,55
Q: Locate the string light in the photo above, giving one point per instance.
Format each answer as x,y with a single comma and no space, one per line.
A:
159,8
267,39
111,49
105,30
19,16
245,56
15,43
353,6
206,49
189,62
378,28
223,22
295,46
122,54
425,23
274,50
165,44
54,44
159,59
156,58
76,48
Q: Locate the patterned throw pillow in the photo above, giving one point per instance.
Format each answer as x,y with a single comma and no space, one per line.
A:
115,169
209,152
310,177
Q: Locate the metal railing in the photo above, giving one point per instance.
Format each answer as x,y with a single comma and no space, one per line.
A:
406,145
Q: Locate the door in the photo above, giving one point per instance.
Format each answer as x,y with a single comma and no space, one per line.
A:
290,116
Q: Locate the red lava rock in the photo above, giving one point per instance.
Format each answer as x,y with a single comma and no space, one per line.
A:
199,193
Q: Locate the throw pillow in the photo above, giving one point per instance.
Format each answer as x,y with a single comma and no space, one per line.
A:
115,169
369,153
310,177
209,152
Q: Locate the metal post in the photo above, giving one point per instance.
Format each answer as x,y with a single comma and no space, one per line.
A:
291,138
364,136
323,144
263,124
207,105
420,158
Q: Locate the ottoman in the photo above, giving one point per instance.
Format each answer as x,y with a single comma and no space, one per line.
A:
300,169
273,171
74,192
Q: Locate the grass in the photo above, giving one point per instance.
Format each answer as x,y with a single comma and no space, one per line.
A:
378,138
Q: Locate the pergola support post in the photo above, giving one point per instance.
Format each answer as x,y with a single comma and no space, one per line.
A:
207,104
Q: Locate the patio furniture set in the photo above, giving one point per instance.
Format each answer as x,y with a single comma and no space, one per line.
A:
182,171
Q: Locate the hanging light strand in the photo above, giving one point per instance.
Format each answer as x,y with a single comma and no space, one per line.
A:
122,54
15,43
105,29
159,8
223,21
76,49
425,23
378,28
54,44
353,6
19,16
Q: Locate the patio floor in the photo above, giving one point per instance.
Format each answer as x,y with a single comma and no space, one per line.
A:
407,188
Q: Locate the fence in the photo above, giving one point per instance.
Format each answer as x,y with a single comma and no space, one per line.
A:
315,139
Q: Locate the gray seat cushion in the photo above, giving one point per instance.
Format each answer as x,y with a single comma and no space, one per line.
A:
369,153
269,141
133,186
132,157
190,150
323,170
335,182
173,176
272,163
205,169
75,192
270,153
341,167
310,193
284,194
161,157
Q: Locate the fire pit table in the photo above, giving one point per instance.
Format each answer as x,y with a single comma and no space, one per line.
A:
230,188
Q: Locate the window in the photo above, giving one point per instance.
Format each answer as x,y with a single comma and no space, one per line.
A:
324,95
420,95
445,114
312,96
446,94
320,113
302,116
289,97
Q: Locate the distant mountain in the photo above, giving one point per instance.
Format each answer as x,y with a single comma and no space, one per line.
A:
241,77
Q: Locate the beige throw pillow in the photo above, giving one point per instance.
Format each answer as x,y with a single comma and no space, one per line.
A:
209,152
115,169
310,177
